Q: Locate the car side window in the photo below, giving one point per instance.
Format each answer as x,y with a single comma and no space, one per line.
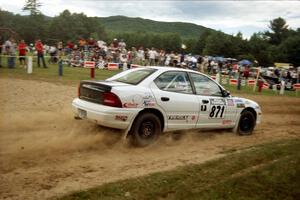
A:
174,81
205,86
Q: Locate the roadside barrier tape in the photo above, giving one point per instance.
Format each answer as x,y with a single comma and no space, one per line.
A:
16,56
233,81
113,66
296,86
251,82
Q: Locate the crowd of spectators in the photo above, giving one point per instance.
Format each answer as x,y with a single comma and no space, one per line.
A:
102,53
116,52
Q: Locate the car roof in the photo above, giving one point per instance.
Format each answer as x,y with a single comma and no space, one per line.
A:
163,68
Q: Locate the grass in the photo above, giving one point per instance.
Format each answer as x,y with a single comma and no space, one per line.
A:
72,75
266,92
268,171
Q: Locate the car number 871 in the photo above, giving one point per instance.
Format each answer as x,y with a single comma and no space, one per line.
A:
217,112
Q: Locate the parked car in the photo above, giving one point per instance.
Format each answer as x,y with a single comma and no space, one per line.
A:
145,102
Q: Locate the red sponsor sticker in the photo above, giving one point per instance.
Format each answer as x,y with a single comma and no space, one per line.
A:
227,122
121,117
130,105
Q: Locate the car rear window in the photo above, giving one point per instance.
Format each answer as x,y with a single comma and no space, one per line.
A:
135,77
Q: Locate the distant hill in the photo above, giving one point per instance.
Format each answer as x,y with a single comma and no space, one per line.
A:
129,24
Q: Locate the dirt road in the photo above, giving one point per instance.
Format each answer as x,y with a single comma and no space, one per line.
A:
45,153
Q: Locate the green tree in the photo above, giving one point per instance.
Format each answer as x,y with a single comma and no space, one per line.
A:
201,42
279,31
71,26
32,6
260,49
290,49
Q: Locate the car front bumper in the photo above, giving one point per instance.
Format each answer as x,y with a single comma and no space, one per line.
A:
119,118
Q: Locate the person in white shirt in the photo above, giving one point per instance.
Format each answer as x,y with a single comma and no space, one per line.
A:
152,55
141,56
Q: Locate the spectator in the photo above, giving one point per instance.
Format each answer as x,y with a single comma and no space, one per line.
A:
10,51
22,48
60,49
133,55
70,47
122,44
1,44
140,56
152,55
40,52
115,43
162,57
146,56
91,43
246,72
168,59
81,44
209,66
52,52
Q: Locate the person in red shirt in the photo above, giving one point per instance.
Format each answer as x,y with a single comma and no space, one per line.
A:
40,52
246,72
70,47
22,48
91,43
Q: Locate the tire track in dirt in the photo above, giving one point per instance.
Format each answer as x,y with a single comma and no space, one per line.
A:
45,153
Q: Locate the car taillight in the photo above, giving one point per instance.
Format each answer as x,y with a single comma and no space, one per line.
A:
110,99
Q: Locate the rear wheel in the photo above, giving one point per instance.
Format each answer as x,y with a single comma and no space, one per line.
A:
145,129
246,123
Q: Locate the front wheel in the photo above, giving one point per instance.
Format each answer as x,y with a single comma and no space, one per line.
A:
246,123
145,129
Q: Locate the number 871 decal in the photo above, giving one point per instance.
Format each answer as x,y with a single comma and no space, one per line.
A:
217,112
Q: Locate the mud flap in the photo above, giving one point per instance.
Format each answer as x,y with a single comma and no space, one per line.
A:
235,128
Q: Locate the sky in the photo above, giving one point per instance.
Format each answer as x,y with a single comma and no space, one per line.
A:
228,16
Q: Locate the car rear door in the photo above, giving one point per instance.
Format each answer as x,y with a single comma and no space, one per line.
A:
174,94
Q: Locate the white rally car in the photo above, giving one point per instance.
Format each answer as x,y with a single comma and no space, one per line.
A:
147,101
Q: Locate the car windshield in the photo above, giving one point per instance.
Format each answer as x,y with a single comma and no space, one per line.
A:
135,77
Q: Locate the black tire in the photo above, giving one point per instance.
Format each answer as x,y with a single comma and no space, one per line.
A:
145,130
247,123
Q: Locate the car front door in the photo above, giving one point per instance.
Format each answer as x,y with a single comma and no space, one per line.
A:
174,94
215,110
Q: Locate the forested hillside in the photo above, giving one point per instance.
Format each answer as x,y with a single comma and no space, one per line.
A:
128,24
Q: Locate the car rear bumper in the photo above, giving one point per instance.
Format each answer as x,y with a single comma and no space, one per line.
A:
119,118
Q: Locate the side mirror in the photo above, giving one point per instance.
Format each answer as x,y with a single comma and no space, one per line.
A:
226,93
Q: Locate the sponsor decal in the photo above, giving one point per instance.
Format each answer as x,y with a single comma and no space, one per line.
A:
240,105
178,117
203,107
121,118
227,122
217,102
230,102
148,96
238,101
149,103
130,105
